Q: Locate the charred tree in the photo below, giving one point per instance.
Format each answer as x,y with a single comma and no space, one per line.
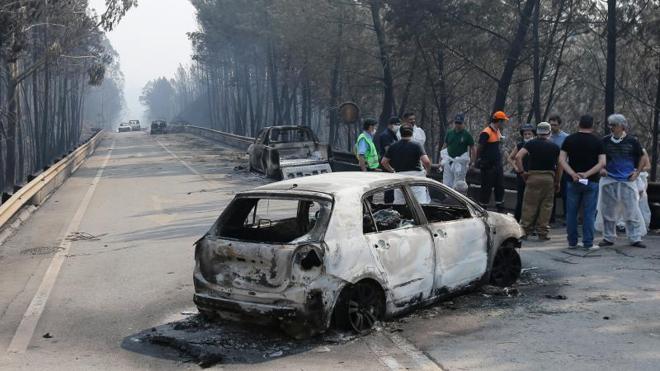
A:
610,75
513,55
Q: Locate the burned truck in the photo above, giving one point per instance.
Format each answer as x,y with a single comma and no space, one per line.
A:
286,152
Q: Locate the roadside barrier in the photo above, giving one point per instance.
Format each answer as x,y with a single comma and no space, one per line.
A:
233,140
37,190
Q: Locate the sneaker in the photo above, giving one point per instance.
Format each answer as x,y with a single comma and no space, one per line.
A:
573,247
639,244
605,243
595,247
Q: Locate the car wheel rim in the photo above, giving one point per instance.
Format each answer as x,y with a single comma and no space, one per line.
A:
506,267
364,308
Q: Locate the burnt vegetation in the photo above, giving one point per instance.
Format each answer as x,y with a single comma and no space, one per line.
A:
59,78
259,63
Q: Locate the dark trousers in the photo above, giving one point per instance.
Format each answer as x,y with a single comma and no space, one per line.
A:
562,194
520,189
492,178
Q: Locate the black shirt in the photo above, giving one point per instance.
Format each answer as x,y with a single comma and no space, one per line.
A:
525,160
543,154
583,150
490,154
385,139
404,155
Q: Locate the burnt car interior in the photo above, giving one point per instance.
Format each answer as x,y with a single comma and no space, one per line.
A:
443,207
381,213
270,220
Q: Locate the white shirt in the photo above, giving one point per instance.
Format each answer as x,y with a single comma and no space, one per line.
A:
419,136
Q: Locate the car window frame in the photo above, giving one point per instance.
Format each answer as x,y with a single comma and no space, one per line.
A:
318,237
475,210
418,214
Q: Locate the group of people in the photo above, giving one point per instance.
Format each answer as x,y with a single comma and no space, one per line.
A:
603,180
398,148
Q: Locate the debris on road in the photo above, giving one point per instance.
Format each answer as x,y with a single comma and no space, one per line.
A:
84,236
47,336
556,297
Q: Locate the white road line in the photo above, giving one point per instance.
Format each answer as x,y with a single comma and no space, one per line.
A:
26,328
422,360
192,170
383,356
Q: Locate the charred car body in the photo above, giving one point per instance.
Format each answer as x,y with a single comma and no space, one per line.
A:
158,127
349,249
285,152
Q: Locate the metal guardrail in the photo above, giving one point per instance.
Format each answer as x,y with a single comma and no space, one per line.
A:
37,190
233,140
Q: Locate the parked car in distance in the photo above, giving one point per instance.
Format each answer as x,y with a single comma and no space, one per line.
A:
158,127
135,125
124,127
348,249
285,152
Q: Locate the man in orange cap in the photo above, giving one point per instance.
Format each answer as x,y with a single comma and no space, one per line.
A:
489,161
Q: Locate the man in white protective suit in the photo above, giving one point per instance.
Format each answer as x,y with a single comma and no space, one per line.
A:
619,195
457,155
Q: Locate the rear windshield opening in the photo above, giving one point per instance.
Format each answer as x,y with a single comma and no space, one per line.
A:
274,220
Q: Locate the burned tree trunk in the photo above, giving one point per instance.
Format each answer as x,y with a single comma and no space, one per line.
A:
512,58
388,81
656,123
610,75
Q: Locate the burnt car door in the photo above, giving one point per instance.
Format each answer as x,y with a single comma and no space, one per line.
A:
460,237
401,245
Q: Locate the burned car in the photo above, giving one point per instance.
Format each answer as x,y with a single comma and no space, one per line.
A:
285,152
348,249
158,127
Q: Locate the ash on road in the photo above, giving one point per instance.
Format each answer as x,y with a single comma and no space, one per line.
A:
119,297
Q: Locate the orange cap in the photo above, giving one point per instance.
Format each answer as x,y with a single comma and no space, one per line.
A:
500,115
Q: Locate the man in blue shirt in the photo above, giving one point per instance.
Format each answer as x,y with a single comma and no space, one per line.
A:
366,151
619,198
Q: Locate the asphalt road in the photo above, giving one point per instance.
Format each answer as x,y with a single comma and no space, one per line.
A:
100,277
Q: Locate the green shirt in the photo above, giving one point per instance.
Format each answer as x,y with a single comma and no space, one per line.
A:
458,142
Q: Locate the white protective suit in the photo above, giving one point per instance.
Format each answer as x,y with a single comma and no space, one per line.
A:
619,201
420,193
454,170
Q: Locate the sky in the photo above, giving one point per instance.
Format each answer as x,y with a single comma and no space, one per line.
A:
151,41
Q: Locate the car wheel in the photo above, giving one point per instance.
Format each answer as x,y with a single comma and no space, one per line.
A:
359,307
506,267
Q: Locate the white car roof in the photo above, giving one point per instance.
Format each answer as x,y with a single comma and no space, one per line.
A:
341,182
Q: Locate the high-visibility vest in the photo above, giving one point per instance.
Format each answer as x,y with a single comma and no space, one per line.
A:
493,135
371,156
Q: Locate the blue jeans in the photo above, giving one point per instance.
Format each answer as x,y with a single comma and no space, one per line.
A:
577,195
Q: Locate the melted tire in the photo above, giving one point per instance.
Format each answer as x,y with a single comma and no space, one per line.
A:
359,307
506,267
